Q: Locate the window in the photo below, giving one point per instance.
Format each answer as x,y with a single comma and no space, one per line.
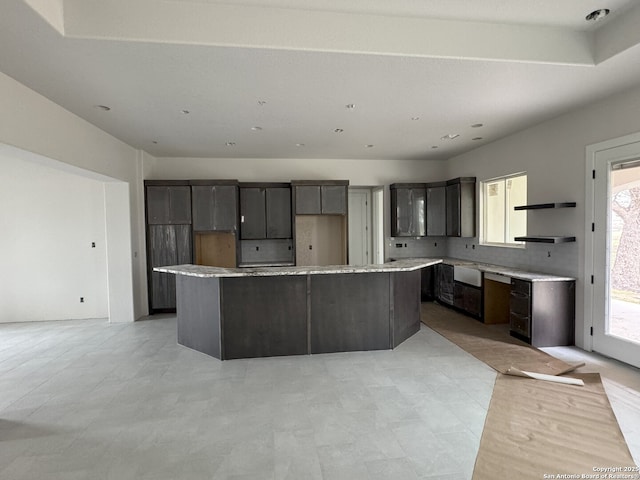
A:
500,222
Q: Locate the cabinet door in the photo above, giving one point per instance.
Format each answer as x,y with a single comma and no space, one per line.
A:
167,205
334,199
436,212
408,212
453,210
214,208
400,212
445,284
203,200
278,212
418,213
168,245
308,200
253,214
473,301
225,208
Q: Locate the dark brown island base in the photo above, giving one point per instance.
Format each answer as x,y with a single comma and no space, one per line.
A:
231,313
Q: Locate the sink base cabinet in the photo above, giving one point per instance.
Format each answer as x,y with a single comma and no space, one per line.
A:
542,313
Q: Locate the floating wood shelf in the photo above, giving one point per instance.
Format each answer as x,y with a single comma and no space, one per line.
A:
539,206
545,239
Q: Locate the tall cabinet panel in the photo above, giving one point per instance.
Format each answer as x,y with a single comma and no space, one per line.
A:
436,209
461,207
169,245
169,241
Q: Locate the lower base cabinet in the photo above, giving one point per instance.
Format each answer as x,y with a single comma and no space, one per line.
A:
542,313
444,288
468,298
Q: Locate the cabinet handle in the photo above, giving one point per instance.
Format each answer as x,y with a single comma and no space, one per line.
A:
241,218
519,294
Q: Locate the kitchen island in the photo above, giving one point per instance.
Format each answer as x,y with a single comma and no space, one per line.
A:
231,313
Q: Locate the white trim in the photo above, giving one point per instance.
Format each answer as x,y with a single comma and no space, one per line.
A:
589,236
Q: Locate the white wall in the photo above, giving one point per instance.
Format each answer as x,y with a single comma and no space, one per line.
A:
34,124
48,220
553,155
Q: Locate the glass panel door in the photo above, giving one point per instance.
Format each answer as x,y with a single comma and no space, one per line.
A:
624,262
616,321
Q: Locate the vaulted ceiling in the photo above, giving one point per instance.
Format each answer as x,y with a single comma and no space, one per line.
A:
308,79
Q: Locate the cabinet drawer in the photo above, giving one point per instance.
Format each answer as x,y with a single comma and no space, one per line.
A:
520,324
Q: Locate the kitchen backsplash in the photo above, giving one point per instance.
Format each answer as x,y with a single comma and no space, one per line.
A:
410,247
557,259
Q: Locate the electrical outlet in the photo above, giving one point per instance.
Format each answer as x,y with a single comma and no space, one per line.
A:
81,299
398,245
93,244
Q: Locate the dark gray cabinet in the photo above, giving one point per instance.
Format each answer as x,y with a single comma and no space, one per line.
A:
408,203
253,220
461,207
436,209
278,207
468,299
320,198
542,313
168,212
168,245
215,207
265,212
168,204
444,288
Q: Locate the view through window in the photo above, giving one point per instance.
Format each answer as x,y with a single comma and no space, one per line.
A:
501,223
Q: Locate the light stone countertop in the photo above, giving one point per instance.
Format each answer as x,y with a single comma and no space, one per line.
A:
401,265
508,271
209,272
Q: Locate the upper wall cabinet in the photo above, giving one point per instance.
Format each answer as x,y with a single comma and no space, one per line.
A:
436,209
408,204
461,207
215,205
265,211
320,197
168,203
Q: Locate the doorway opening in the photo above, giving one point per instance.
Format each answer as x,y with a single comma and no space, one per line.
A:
366,237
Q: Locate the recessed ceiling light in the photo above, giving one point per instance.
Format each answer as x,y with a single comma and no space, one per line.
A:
338,130
104,108
450,136
185,112
369,146
597,15
477,125
230,144
262,103
299,144
350,106
415,118
477,138
256,129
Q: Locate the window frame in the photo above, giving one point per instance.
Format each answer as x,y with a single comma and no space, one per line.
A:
483,213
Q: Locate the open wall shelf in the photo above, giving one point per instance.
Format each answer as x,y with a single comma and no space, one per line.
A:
540,206
545,239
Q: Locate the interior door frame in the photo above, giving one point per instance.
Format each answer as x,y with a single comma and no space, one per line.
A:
599,157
